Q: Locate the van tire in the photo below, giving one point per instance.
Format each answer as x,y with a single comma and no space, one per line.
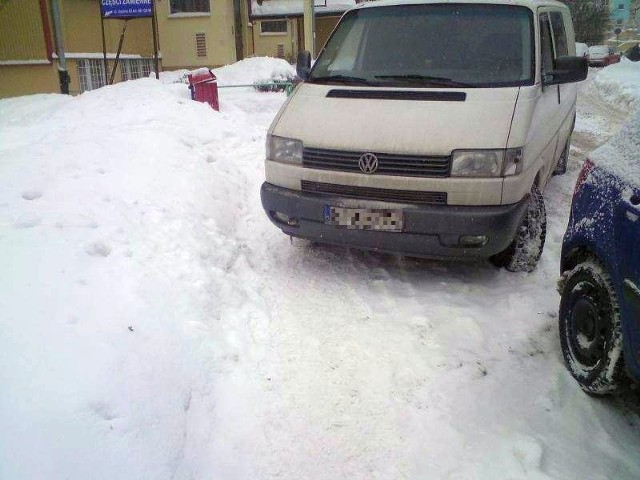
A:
594,355
526,249
561,167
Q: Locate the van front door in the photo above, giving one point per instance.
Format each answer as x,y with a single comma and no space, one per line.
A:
561,30
546,118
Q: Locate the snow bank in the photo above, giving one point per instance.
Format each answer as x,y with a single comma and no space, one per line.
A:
245,72
118,217
255,70
621,154
174,76
619,84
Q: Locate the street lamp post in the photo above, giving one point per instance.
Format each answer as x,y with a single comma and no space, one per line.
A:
310,27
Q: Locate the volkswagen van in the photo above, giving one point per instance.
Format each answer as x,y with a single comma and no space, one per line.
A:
429,128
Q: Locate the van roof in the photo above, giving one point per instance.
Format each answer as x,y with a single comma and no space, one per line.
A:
531,4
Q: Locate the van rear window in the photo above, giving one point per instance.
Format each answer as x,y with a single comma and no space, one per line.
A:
449,45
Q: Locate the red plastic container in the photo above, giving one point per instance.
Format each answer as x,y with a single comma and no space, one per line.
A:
204,87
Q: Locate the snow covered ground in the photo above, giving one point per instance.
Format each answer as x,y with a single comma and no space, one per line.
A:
155,325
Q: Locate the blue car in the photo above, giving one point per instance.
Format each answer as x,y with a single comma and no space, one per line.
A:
600,266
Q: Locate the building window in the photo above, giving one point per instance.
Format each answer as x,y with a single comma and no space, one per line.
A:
621,6
619,22
273,27
90,74
189,6
136,68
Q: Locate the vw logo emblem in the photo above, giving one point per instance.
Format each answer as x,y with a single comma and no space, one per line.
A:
368,163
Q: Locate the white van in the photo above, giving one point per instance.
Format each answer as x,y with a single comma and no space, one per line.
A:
429,128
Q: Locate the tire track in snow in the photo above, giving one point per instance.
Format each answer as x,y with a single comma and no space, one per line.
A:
370,356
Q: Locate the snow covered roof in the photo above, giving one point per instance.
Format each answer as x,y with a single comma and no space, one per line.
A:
271,8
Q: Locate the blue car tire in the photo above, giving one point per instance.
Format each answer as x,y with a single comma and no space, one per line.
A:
590,330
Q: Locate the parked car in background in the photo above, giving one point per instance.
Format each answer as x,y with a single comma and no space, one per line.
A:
582,50
633,53
602,55
600,264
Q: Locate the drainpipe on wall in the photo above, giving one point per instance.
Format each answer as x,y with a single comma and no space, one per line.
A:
62,60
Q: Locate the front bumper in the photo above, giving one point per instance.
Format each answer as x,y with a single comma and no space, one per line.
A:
431,231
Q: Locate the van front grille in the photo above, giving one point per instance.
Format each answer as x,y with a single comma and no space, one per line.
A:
388,164
378,194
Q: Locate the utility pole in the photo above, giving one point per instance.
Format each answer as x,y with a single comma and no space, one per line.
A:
310,27
62,60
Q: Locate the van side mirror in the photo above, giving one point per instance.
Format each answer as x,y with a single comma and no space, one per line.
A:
303,66
567,70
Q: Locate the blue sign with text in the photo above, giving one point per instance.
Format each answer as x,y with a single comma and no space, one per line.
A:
126,8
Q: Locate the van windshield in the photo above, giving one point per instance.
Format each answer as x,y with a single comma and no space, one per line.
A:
436,45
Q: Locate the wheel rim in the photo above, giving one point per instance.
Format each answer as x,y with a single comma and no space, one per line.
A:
589,327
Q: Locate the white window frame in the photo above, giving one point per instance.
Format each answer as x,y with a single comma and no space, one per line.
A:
134,68
91,74
279,33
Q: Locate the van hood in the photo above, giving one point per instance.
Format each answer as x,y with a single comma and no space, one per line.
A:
393,121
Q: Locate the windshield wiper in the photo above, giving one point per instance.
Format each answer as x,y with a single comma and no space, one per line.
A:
345,79
426,79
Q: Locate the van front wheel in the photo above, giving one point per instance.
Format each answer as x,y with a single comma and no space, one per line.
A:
526,249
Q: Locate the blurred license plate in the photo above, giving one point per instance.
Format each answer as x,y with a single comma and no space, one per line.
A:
364,218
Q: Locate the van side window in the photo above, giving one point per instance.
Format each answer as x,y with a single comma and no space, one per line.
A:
546,44
559,34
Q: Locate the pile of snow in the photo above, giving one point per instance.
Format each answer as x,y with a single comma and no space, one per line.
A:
245,72
119,218
621,154
255,70
174,76
619,84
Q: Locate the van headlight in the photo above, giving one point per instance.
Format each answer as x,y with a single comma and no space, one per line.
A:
284,150
486,163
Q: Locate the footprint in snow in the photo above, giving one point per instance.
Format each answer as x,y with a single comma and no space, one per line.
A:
27,221
31,194
98,249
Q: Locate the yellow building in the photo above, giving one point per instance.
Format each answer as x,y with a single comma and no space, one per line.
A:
199,33
191,34
28,63
276,27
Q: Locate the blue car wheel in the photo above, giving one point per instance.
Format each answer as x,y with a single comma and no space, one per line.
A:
590,331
